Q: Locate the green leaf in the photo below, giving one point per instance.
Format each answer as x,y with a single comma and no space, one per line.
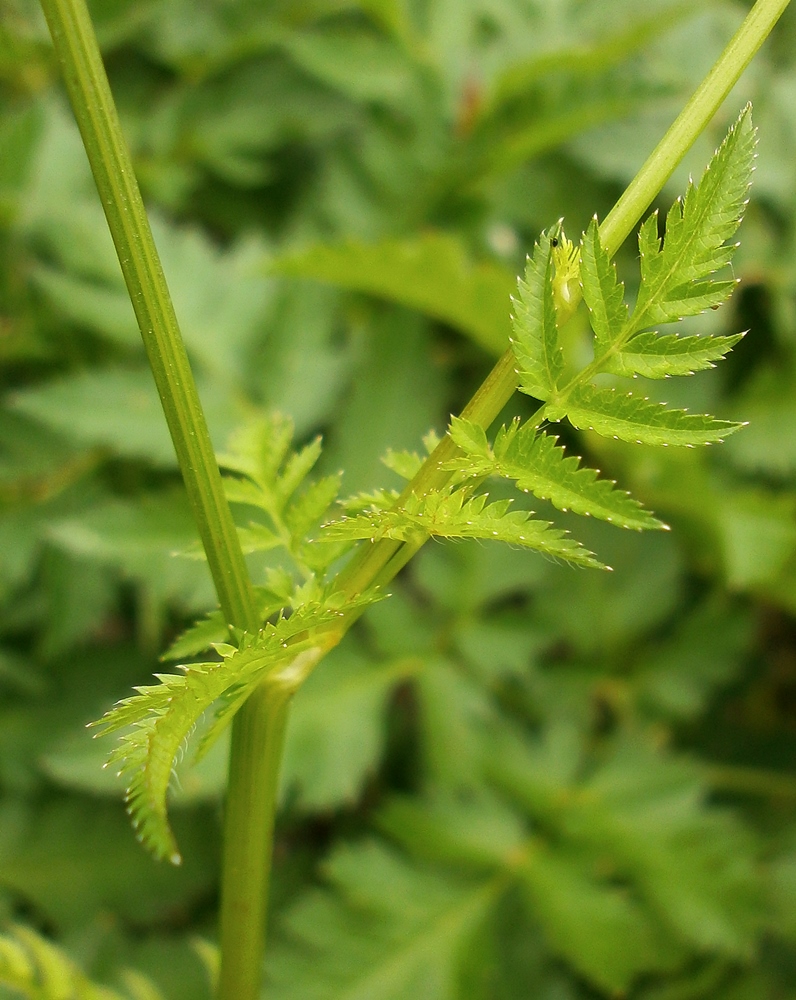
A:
644,816
431,273
162,715
118,409
540,466
142,540
599,928
451,515
361,64
632,418
656,356
540,361
602,292
39,970
675,280
386,930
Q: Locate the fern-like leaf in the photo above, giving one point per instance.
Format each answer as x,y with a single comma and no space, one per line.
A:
157,720
448,514
269,477
633,418
540,361
537,464
675,280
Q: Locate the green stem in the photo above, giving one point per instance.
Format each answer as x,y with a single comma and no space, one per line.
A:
258,729
92,102
258,732
258,737
501,383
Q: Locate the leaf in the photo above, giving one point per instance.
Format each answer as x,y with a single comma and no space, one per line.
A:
602,292
141,540
430,272
450,515
406,464
386,929
636,419
80,833
656,356
644,816
538,465
39,970
540,361
675,280
162,715
599,928
119,409
363,65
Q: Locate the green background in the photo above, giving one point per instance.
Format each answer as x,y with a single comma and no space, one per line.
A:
513,779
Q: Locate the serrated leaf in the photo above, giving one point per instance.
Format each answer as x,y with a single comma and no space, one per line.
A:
297,468
636,419
451,515
406,464
376,500
431,273
198,637
162,715
537,464
470,437
656,356
675,280
602,291
259,538
534,341
258,448
310,507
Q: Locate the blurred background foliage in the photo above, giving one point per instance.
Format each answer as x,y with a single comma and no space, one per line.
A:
513,779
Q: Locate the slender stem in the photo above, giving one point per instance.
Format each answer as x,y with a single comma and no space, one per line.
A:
258,732
92,102
258,729
370,562
258,738
690,123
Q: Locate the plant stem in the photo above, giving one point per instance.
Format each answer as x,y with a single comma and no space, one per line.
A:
92,102
368,566
258,729
258,737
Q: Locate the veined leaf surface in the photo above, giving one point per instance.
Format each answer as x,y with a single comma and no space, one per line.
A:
636,419
539,465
